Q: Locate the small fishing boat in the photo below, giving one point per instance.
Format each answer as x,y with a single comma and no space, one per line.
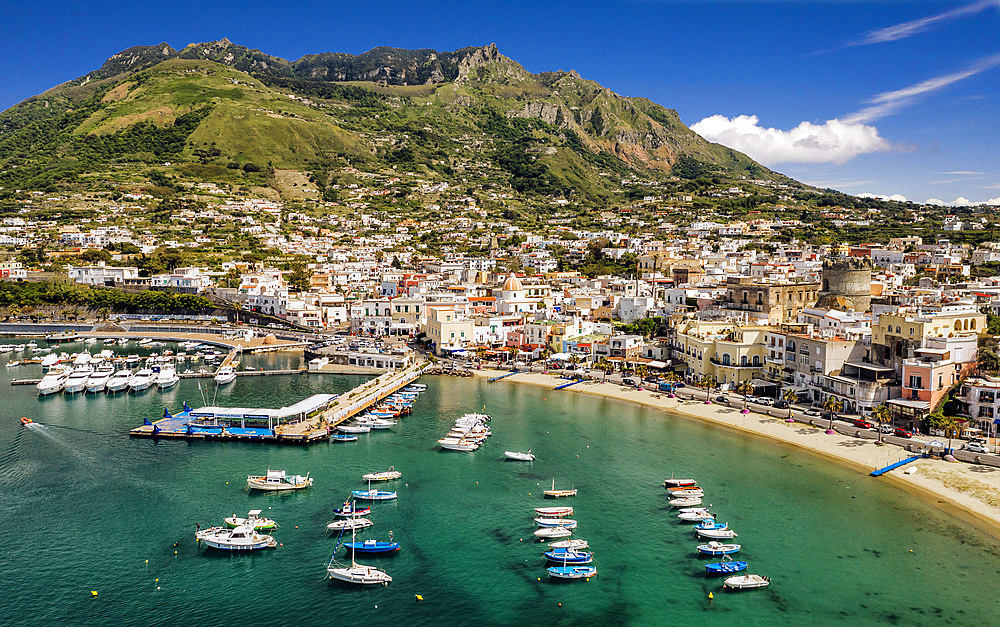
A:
387,475
353,429
349,523
569,544
253,519
356,573
569,556
745,582
725,567
677,483
521,457
553,493
343,437
685,501
349,509
554,512
718,548
568,523
572,572
372,547
709,523
377,423
373,495
688,493
696,516
458,444
242,538
716,534
277,481
553,532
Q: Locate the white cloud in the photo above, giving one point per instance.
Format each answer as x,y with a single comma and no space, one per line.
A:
834,141
908,29
962,201
896,197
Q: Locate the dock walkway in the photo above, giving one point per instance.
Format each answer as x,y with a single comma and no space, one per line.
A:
903,462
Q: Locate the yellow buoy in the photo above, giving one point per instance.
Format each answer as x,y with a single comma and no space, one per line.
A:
157,579
93,593
227,483
296,526
539,578
175,552
147,561
710,596
420,598
560,605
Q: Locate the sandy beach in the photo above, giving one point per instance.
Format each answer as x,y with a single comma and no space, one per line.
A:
970,492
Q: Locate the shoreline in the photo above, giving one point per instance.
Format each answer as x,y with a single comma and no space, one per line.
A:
954,488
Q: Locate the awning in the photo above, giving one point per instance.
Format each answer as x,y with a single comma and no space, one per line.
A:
657,364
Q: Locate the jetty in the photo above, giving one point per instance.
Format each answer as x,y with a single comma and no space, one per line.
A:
903,462
566,385
503,376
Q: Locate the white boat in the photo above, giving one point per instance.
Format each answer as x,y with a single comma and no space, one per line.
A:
377,423
685,501
676,483
356,573
225,375
458,444
90,341
242,538
77,381
554,512
716,534
353,428
82,359
167,377
577,545
141,380
521,457
684,493
572,572
7,348
553,493
98,381
53,381
351,523
119,381
386,475
695,516
553,532
132,361
253,519
49,360
277,481
568,523
13,364
743,582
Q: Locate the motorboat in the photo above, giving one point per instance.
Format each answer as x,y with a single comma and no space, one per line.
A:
167,377
718,548
553,532
98,381
353,429
141,380
350,509
569,544
278,481
372,547
572,572
569,556
725,567
253,519
132,361
458,444
716,534
553,493
521,457
744,582
49,360
415,387
678,483
225,375
77,380
685,501
82,359
688,493
53,381
344,524
554,512
387,475
242,538
696,516
709,523
568,523
377,423
26,421
119,381
13,364
373,495
341,437
356,573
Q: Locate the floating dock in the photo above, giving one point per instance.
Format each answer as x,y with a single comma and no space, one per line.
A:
503,376
566,385
882,471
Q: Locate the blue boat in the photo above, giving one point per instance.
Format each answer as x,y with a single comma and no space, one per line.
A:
373,495
343,437
369,547
569,556
572,572
709,523
726,566
718,548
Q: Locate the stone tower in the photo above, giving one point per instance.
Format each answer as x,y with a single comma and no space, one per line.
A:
847,284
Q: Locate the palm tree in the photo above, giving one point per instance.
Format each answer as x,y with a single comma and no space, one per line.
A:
833,405
709,382
951,428
641,371
746,389
603,365
791,396
881,415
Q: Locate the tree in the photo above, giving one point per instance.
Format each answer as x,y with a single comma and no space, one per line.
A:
641,371
299,278
881,415
833,405
987,360
952,427
604,365
709,382
791,396
746,389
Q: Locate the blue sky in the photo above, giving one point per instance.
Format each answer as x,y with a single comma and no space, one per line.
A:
887,98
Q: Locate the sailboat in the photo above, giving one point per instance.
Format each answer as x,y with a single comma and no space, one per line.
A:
356,573
553,493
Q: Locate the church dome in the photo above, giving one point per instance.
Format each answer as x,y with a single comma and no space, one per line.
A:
512,284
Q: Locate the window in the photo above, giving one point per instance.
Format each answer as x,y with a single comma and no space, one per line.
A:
726,359
756,360
743,360
915,381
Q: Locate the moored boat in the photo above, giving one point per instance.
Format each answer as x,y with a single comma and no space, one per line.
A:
569,556
725,567
685,501
572,572
518,456
744,582
343,437
676,483
553,532
372,547
718,548
716,534
53,381
373,495
349,523
553,493
253,519
569,544
278,480
242,538
695,516
350,509
554,512
568,523
225,375
118,381
353,429
387,475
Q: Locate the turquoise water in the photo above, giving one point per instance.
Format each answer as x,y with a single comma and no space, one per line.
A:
85,507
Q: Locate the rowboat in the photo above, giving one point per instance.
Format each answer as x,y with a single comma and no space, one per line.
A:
553,532
518,456
553,493
556,522
387,475
569,544
353,428
569,556
743,582
373,495
717,548
253,519
674,483
277,481
725,567
572,572
685,501
338,437
554,512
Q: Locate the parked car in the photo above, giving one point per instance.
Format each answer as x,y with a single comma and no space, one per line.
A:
861,422
781,404
627,381
813,411
903,433
885,428
977,447
722,399
764,400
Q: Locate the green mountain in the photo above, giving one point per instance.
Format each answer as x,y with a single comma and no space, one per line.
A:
470,114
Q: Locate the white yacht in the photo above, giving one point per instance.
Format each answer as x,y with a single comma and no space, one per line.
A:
119,381
82,359
225,375
53,381
49,360
167,377
99,380
141,380
77,381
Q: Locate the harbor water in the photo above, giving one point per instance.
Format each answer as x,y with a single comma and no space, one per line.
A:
86,508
